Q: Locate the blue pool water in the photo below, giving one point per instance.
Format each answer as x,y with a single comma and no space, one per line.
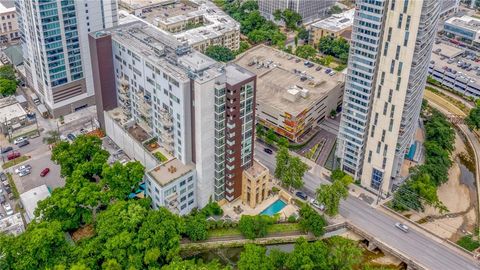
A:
274,208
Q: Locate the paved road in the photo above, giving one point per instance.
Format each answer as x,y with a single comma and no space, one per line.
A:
427,251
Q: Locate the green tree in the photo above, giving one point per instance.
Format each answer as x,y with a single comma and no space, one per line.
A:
7,87
83,150
220,53
196,227
335,9
289,170
331,195
473,118
7,72
120,180
254,258
335,47
344,253
289,17
243,47
311,221
51,137
254,226
307,255
193,265
306,52
278,258
303,34
41,246
283,142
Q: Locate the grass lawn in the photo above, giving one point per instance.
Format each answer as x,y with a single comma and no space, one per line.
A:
223,232
275,228
283,227
160,156
468,243
13,186
14,162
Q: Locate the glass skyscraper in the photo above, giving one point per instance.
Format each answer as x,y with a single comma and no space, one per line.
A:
54,35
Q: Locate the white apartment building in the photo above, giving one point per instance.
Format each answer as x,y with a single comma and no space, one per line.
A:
200,23
56,52
201,111
8,22
388,64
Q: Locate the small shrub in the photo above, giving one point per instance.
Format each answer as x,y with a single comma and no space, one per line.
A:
292,219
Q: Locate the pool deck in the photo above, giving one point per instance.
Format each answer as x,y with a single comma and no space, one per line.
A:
284,213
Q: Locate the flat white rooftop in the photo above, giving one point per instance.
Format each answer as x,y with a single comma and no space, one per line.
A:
336,22
169,171
31,198
11,112
465,21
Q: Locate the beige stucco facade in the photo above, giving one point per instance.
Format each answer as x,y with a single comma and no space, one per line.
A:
255,185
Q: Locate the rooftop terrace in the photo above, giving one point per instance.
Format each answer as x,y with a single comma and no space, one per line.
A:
281,75
167,172
336,22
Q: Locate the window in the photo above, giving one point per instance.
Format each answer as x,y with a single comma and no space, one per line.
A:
377,178
392,111
385,149
399,80
372,132
182,183
390,126
379,91
389,36
392,66
369,156
407,24
190,194
405,6
405,40
397,53
385,107
384,163
383,135
392,5
379,145
400,66
375,119
390,95
400,19
385,49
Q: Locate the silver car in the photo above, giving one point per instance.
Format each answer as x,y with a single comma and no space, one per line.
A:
24,172
402,227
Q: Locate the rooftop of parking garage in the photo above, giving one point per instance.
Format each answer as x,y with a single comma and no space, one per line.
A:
282,79
442,62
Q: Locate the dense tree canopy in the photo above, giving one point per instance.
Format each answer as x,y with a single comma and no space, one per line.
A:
220,53
7,87
291,18
289,169
254,226
331,195
424,179
254,258
306,52
311,221
473,118
337,47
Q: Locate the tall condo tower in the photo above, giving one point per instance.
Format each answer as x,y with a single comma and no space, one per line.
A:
388,64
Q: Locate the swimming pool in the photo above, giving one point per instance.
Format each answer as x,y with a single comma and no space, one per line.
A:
274,208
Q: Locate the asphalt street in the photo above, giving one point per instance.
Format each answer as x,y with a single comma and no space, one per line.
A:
424,249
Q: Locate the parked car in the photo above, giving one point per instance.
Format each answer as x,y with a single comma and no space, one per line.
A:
2,199
23,168
317,205
401,227
23,143
6,149
301,195
19,140
268,151
13,155
8,209
71,137
3,176
44,172
8,189
23,173
318,68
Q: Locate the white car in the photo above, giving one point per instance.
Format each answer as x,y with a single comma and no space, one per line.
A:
23,173
317,205
8,209
23,168
401,227
19,140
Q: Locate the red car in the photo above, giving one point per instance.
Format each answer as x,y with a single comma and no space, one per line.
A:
44,172
13,155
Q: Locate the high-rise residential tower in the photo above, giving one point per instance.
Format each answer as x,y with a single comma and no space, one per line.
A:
56,52
388,64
